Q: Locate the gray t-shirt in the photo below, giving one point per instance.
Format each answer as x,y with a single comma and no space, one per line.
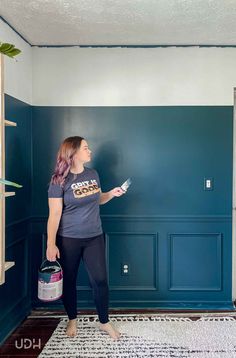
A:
81,212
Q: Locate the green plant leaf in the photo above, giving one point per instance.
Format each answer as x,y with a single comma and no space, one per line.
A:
13,52
6,46
9,50
7,182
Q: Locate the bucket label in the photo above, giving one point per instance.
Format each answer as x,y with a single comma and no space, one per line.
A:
49,291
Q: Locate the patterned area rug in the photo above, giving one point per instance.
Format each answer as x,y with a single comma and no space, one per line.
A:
146,336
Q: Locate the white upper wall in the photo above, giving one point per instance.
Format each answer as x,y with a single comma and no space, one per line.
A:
133,76
18,71
73,76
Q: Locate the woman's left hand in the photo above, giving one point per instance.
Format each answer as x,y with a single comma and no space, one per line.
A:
118,191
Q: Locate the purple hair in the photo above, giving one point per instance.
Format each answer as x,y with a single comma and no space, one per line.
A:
65,159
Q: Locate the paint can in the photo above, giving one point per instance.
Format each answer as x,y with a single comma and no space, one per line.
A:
50,281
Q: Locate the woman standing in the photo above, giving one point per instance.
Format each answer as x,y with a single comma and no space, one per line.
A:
74,228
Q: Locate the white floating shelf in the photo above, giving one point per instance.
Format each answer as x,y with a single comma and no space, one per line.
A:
9,123
9,193
9,264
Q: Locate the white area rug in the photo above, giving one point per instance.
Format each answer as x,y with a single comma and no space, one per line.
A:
146,336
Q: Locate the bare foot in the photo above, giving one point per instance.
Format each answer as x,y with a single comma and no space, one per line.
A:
110,330
71,327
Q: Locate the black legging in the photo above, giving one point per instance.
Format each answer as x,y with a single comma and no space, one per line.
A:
92,251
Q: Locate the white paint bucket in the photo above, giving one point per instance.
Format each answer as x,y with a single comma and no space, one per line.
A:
50,281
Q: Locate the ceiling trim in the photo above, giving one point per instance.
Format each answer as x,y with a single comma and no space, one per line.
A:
4,20
110,46
134,46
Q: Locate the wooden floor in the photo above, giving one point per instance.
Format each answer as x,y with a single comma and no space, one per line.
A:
38,327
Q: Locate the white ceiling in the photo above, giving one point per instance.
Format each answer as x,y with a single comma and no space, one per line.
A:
122,22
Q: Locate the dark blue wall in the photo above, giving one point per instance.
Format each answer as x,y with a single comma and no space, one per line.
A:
166,150
15,293
175,236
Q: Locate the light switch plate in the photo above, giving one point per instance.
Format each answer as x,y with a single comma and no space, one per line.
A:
208,183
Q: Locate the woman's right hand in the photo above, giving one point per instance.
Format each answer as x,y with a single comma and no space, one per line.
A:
52,253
